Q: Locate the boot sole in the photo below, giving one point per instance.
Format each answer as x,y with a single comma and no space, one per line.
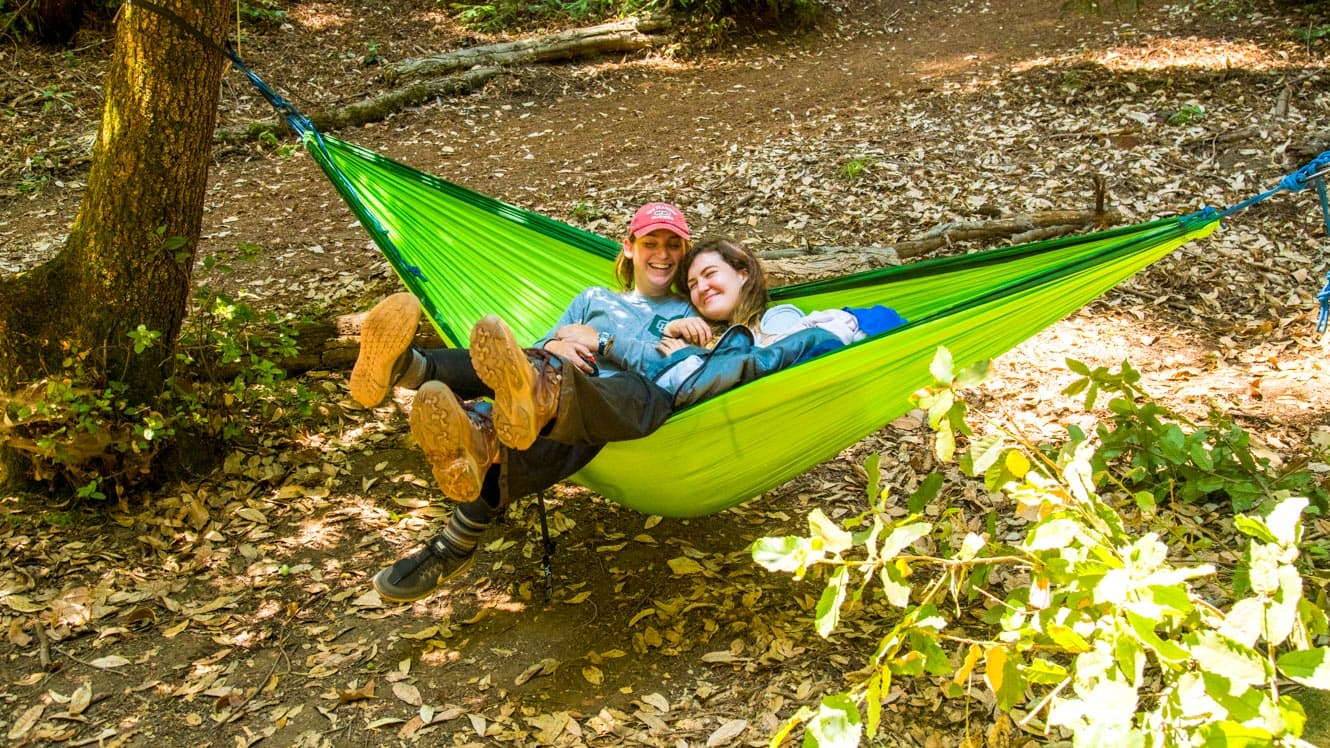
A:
381,579
442,428
387,332
502,364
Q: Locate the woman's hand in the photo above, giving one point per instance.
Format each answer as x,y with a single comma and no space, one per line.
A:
669,345
575,344
694,330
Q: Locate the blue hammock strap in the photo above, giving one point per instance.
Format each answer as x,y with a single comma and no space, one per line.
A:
1324,298
1312,173
299,122
305,128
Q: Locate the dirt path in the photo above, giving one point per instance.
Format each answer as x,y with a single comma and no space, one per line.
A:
235,610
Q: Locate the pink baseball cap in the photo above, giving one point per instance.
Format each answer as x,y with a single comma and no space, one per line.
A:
653,216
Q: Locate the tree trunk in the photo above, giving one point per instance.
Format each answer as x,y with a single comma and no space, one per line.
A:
128,259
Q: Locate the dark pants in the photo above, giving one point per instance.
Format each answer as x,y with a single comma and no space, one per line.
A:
593,411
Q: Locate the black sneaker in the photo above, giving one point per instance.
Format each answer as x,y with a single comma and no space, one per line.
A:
423,572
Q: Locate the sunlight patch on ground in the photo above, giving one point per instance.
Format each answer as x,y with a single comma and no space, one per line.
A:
435,657
1159,54
652,63
317,533
318,16
952,65
1189,52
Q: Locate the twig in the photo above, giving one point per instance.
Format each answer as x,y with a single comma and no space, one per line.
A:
43,647
89,664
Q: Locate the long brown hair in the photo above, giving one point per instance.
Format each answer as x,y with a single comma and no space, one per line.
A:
753,296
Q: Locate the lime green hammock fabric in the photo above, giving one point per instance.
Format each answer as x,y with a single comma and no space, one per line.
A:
466,255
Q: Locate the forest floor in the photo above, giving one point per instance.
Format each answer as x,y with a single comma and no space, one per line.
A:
236,608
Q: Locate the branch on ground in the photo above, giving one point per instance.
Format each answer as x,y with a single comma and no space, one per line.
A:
479,65
630,35
371,110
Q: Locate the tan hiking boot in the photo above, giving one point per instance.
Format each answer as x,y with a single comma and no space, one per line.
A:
459,444
526,384
385,341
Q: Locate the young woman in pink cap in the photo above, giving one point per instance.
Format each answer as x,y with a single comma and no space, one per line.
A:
555,404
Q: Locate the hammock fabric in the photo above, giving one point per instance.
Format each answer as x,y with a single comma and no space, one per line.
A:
466,255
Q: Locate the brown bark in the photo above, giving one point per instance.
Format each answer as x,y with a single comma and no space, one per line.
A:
128,257
464,71
331,344
129,253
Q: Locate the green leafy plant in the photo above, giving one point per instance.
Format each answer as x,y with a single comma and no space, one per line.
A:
1072,80
1097,631
584,212
78,429
1187,114
1162,456
854,168
53,98
269,139
1312,35
497,15
717,16
80,432
269,12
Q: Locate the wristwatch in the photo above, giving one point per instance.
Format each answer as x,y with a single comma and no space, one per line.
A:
604,342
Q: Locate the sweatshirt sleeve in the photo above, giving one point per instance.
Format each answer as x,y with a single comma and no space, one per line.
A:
575,313
781,320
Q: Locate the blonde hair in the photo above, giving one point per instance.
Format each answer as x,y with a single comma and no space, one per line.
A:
753,297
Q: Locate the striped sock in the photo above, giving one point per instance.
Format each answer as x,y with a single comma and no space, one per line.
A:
414,374
463,531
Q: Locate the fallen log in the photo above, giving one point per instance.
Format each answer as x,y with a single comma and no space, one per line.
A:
371,110
630,35
479,66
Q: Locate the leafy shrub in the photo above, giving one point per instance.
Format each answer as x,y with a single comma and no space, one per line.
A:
1150,449
80,433
1312,35
262,12
498,15
1187,114
1095,630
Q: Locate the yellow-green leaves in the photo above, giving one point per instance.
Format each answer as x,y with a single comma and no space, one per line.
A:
836,724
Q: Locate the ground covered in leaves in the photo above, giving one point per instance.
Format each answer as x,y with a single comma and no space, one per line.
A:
236,608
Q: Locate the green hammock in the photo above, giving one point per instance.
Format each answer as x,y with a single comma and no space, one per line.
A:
466,255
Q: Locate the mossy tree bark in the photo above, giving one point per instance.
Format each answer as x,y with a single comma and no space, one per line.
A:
129,255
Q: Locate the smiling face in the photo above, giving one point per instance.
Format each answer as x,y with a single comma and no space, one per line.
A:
655,257
715,287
